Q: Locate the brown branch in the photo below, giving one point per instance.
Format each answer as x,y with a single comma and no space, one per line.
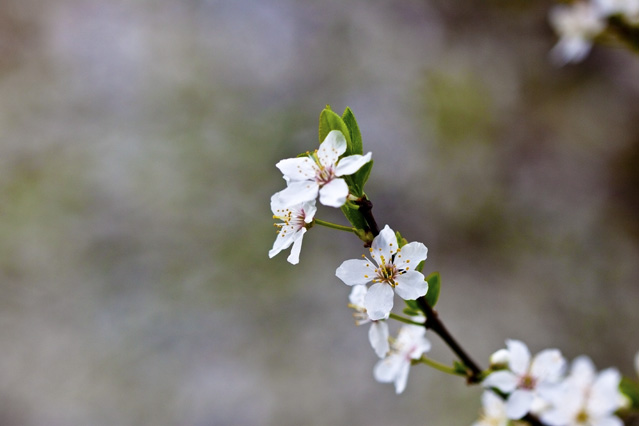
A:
437,326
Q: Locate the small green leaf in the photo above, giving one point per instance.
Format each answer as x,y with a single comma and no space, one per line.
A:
329,121
411,312
434,285
630,388
360,178
356,146
459,367
401,241
354,217
412,304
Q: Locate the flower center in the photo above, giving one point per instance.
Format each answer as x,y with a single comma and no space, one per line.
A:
527,382
295,221
582,417
324,174
387,274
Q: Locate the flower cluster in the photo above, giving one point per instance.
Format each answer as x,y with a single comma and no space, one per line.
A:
579,23
540,386
519,388
316,173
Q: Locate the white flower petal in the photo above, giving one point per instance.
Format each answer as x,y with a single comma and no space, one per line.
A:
296,169
333,146
604,394
557,416
378,336
409,256
519,357
503,380
334,193
356,297
608,421
500,358
294,256
356,272
637,363
548,365
309,210
493,405
402,377
384,245
386,369
297,192
379,301
519,403
351,164
411,285
282,242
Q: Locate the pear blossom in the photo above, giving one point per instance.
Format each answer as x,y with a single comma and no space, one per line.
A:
586,398
527,381
295,221
409,345
577,25
493,411
378,333
320,173
391,270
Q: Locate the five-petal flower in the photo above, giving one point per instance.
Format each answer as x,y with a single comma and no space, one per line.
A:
295,220
586,398
391,270
378,333
526,380
409,345
320,172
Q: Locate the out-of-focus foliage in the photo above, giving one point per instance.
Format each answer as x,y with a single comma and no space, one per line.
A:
138,148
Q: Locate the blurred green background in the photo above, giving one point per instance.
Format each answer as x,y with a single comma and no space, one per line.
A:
139,142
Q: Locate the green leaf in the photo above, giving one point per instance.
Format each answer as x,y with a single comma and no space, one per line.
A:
411,312
434,285
630,388
412,304
401,241
356,146
360,177
354,217
329,121
459,367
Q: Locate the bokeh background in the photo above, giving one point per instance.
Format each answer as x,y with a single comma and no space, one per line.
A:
139,142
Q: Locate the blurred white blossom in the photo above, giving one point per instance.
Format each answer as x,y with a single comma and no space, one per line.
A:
576,25
586,398
629,9
378,333
409,345
527,381
493,411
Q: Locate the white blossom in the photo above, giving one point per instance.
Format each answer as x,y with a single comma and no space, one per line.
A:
319,173
378,332
409,345
391,270
295,220
637,363
576,25
527,381
586,398
493,411
629,9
